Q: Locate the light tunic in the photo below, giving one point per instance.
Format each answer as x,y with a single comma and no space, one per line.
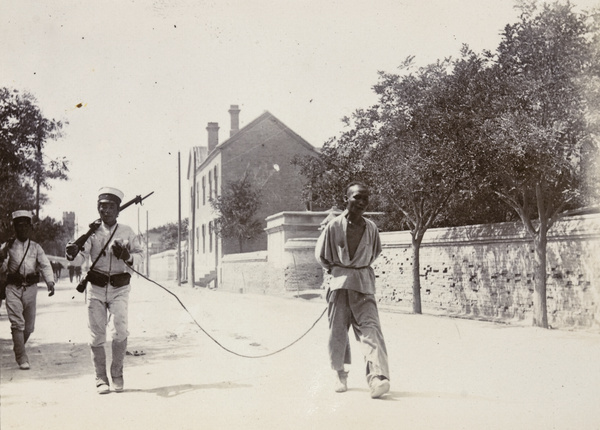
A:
332,253
34,260
108,263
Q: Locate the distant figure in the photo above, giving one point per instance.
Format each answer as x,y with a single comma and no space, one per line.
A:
74,268
71,270
56,269
113,248
347,247
22,260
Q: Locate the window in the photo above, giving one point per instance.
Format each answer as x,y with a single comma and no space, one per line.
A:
203,190
197,239
216,185
210,236
210,184
203,238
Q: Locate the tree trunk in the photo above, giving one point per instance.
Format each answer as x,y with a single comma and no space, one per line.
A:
416,246
540,313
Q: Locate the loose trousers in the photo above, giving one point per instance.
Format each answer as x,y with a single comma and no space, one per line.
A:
21,307
351,308
102,303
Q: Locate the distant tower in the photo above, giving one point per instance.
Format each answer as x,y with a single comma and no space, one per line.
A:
69,223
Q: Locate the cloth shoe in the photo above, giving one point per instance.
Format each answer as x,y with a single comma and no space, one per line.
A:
24,366
102,386
379,386
341,381
118,384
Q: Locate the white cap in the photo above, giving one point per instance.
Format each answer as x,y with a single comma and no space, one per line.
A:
110,194
22,214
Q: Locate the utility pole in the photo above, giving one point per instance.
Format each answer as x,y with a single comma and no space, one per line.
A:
179,218
192,240
147,253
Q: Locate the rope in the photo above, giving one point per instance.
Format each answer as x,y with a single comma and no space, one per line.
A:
215,340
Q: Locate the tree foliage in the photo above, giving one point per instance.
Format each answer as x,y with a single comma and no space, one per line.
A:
539,135
236,208
24,167
169,233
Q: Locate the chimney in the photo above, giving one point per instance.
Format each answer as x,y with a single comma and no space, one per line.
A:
213,135
234,111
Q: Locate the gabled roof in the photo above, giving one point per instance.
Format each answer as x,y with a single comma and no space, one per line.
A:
237,136
259,119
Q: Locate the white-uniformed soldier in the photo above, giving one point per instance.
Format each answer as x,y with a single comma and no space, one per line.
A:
23,260
114,247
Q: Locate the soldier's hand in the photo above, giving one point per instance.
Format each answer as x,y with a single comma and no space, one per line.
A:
50,289
120,251
72,249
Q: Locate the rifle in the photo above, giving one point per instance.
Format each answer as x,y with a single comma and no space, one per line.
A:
94,226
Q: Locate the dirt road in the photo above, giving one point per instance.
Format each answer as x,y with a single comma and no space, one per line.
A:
446,373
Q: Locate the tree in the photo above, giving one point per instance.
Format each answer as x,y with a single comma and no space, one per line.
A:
24,168
539,136
340,161
427,150
51,235
169,233
417,148
236,208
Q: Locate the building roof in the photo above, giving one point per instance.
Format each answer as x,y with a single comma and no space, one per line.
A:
203,157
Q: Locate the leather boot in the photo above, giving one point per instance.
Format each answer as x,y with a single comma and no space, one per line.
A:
19,349
99,360
119,349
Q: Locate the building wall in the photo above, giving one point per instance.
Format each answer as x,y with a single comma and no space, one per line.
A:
205,243
266,144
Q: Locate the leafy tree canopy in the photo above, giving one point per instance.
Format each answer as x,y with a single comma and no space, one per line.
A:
236,208
24,168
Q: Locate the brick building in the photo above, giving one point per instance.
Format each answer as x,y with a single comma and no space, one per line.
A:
262,150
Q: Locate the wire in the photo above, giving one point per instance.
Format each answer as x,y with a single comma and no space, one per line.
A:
215,340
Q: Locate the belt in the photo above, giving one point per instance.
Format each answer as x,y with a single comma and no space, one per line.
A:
22,281
102,280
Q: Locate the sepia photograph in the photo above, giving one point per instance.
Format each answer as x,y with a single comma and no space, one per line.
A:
300,214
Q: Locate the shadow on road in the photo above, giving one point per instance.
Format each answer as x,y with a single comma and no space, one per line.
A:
176,390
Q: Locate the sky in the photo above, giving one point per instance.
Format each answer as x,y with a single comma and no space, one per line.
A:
149,75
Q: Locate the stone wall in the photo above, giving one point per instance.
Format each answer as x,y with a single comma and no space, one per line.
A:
163,266
486,271
246,272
